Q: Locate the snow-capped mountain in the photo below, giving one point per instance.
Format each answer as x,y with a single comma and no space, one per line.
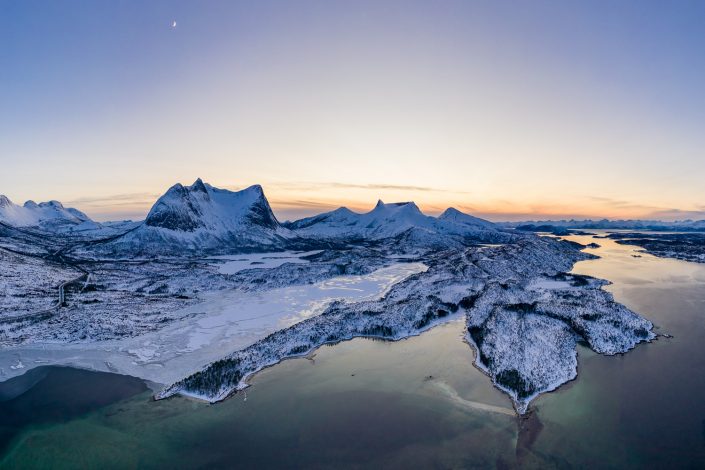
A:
203,207
454,215
384,221
203,219
402,220
51,216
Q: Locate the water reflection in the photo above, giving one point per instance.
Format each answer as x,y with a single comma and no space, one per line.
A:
58,394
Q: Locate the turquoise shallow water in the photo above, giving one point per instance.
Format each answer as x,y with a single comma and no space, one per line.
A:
421,403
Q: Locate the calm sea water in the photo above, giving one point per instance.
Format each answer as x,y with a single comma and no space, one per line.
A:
410,404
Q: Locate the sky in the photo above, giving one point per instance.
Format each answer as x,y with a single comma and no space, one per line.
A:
508,110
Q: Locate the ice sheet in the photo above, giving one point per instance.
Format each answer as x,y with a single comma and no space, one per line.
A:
238,263
224,322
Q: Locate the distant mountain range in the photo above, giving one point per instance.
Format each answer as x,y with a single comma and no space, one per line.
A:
605,224
202,219
389,221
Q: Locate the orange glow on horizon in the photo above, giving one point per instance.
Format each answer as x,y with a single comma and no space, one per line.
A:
291,202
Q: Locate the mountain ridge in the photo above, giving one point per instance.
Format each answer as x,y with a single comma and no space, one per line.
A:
401,220
202,219
49,216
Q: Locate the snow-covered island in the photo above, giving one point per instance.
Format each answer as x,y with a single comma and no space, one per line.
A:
210,288
686,246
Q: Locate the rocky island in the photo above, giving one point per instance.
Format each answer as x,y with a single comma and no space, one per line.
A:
686,246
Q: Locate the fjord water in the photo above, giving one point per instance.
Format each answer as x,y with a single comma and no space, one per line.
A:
420,402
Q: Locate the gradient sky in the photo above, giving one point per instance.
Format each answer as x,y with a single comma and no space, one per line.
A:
523,109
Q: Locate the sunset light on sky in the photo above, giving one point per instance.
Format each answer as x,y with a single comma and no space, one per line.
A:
532,110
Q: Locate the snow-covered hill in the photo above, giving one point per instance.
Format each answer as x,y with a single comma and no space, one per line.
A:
454,215
384,221
402,221
50,216
203,219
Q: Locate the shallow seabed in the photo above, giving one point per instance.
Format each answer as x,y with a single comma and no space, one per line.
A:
420,402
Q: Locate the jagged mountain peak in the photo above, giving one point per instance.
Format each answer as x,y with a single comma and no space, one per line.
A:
390,208
198,185
255,188
402,212
4,201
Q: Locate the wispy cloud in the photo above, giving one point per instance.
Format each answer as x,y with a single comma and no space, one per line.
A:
647,211
621,204
316,186
387,187
301,204
116,199
116,206
671,214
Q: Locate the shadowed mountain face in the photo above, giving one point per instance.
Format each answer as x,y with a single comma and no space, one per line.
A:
261,214
175,211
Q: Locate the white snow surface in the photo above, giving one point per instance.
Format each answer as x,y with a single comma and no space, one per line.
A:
225,321
391,220
454,215
50,215
237,263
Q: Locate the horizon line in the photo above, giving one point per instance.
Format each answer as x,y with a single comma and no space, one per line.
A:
135,206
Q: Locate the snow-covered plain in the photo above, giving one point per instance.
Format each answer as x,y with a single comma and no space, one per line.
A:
237,263
223,322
